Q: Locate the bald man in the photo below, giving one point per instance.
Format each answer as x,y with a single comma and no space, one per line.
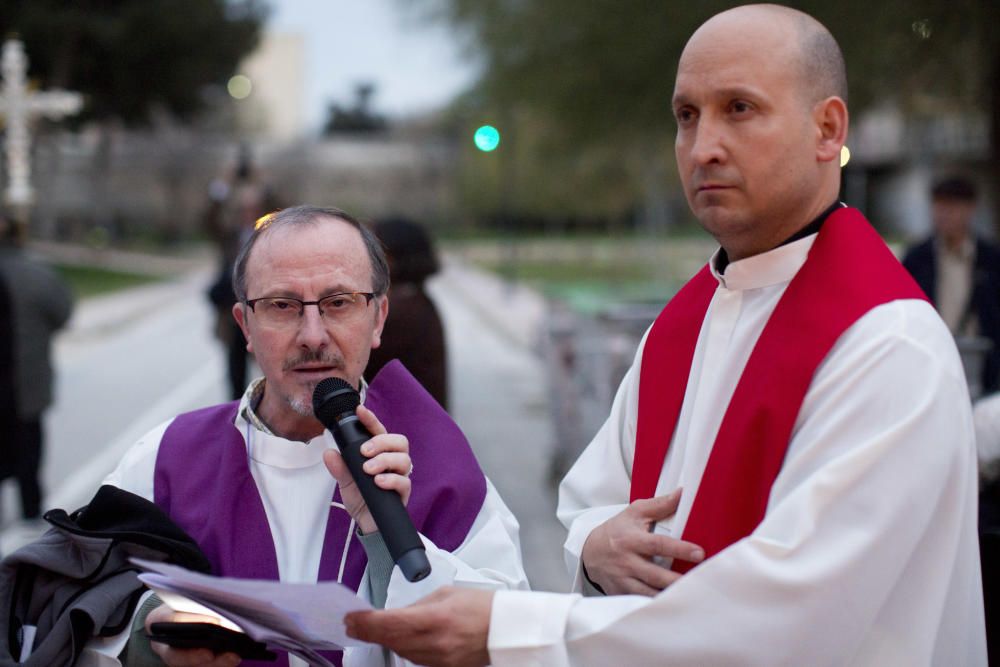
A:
788,473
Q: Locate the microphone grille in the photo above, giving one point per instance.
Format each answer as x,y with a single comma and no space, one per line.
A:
334,397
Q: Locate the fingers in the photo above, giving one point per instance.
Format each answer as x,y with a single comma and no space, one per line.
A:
334,462
447,628
164,614
389,465
668,547
370,421
385,626
397,483
651,576
637,587
397,462
652,544
175,657
389,462
385,442
621,554
161,614
658,508
371,626
631,573
194,657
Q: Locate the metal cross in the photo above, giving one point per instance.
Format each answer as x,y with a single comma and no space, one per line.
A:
19,105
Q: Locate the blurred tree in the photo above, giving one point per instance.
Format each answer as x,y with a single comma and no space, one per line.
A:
134,60
601,72
534,176
359,119
133,57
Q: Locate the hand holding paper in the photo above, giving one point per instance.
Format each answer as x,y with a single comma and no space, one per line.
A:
300,618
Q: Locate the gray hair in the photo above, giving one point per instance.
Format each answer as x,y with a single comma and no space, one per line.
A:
310,215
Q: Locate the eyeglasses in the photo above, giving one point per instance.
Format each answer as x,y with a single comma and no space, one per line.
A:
286,312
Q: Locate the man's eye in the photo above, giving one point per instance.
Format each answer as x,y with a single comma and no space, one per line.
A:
282,305
684,115
337,302
741,107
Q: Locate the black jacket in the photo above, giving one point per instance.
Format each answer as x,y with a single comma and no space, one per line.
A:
76,582
921,262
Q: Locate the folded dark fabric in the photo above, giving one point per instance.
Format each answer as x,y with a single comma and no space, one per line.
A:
75,582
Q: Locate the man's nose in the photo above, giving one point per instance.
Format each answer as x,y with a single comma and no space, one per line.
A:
707,146
313,332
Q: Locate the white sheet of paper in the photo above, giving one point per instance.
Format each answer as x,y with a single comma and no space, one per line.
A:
291,616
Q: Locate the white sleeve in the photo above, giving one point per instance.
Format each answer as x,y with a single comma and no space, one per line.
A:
597,487
986,415
489,558
136,469
867,553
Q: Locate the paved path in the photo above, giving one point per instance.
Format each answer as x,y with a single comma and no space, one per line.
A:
135,358
499,398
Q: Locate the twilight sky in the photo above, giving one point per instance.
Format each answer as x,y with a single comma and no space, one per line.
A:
417,65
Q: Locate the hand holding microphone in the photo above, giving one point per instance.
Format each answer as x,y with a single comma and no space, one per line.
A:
371,472
385,459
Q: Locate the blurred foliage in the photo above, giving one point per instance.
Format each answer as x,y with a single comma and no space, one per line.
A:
88,281
131,58
592,273
358,119
534,174
603,70
587,85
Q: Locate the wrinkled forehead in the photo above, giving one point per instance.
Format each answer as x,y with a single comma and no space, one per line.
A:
324,242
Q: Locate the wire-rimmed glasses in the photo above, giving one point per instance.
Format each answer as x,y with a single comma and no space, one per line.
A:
286,312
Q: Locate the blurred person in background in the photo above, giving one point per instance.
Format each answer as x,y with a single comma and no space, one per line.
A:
40,305
413,332
235,204
960,272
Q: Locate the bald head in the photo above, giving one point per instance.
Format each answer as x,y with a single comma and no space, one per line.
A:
761,121
789,34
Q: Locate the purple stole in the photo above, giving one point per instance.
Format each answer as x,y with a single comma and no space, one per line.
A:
852,270
202,481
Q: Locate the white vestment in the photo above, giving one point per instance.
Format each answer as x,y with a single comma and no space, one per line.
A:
295,488
868,552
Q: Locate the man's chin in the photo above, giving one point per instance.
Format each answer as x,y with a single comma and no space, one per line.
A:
302,403
721,222
301,406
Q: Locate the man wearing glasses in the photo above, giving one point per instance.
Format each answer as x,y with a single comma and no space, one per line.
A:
252,481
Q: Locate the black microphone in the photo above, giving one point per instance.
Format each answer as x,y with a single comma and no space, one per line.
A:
335,403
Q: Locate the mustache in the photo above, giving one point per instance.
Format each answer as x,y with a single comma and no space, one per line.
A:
311,357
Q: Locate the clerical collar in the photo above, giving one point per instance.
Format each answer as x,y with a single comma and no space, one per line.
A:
722,259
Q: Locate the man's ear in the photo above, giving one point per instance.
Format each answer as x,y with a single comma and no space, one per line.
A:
381,314
831,119
240,314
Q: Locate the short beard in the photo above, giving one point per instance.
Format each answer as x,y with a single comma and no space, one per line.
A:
304,407
301,407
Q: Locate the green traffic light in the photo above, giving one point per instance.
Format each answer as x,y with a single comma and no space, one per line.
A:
487,138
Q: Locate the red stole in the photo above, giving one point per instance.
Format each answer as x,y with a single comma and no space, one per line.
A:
849,271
